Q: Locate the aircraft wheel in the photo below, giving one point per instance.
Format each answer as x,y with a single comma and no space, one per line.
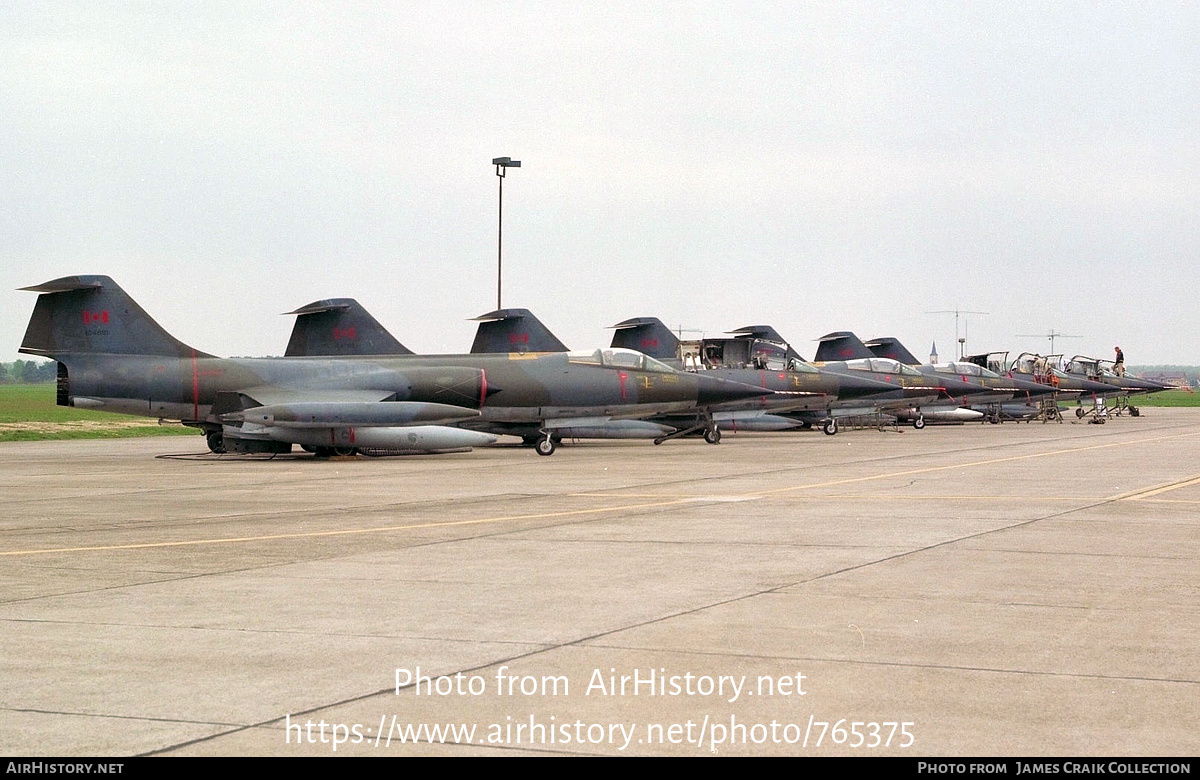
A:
919,422
712,435
994,419
1135,412
830,427
344,451
1079,412
545,446
216,442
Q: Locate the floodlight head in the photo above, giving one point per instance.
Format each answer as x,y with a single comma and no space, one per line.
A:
506,162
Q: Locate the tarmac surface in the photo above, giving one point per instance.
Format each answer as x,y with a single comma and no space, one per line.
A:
1011,590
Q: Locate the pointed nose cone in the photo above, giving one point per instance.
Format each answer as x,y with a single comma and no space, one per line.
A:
1140,385
956,388
850,386
710,390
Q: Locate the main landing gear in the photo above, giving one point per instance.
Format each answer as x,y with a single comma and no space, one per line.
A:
216,442
544,443
830,427
919,421
712,434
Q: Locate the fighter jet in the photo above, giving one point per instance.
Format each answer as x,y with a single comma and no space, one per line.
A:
1124,386
759,355
113,355
927,396
985,402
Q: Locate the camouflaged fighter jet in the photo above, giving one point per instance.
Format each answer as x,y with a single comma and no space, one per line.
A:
935,395
1123,385
112,355
342,326
759,355
992,392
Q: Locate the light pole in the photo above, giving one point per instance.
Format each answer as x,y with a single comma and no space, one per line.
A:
502,165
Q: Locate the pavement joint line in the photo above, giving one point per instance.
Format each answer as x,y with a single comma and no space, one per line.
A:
1144,493
904,664
579,512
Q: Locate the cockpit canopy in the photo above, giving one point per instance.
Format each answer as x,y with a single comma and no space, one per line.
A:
1081,364
965,369
619,358
882,366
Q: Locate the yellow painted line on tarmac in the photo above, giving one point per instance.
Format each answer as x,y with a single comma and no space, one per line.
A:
351,531
1143,494
599,510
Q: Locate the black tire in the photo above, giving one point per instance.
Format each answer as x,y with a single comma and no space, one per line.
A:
919,422
216,442
712,435
830,427
1079,412
545,446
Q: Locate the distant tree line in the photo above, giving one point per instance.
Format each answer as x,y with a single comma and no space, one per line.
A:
28,372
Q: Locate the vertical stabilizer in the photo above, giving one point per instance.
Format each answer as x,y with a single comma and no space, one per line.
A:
842,345
647,335
889,347
513,330
92,314
337,327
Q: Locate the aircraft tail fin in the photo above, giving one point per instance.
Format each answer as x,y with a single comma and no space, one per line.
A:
842,345
92,314
889,347
758,332
647,335
513,330
336,327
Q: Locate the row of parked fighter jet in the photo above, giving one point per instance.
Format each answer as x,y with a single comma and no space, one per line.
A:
345,384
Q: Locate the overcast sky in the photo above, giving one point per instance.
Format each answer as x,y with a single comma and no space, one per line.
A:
813,166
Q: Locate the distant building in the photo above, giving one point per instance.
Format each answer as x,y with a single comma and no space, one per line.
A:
933,353
1173,378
